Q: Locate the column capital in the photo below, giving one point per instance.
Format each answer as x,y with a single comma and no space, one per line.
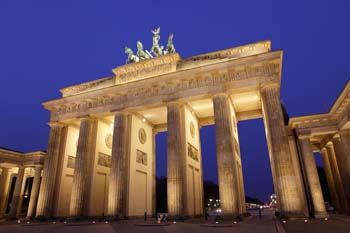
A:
304,133
221,95
56,124
175,102
37,166
87,117
271,85
329,144
323,150
335,139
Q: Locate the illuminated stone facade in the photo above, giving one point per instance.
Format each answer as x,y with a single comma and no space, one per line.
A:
328,134
101,151
20,172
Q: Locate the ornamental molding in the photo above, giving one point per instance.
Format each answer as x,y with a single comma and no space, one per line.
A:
81,105
146,68
88,86
231,53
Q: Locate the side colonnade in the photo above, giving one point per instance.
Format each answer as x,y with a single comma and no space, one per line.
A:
19,182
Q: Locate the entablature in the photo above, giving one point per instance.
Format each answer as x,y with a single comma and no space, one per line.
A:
21,159
193,83
323,127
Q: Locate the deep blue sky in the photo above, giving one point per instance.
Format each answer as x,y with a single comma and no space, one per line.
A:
47,45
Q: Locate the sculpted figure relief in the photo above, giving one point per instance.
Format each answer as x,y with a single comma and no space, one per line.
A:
156,50
142,54
170,48
131,56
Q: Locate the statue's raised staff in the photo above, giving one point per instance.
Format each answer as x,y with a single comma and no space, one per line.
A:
156,49
131,56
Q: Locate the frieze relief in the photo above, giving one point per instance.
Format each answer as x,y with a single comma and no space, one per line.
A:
165,88
141,157
192,152
71,162
104,160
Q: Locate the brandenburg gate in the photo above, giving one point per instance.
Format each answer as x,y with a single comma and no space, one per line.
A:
101,152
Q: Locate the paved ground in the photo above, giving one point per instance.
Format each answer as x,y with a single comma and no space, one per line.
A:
336,224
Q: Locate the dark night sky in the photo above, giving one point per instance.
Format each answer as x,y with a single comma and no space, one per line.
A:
47,45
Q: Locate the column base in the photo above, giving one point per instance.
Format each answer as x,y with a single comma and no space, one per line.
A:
321,215
43,218
284,215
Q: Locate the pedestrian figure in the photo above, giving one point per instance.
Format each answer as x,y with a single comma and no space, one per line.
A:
260,213
206,215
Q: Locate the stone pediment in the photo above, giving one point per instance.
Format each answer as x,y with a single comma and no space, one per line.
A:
146,68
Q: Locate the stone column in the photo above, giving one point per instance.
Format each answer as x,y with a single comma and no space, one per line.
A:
342,151
313,181
176,152
44,207
290,202
336,176
117,192
4,189
34,192
227,170
17,193
85,150
330,179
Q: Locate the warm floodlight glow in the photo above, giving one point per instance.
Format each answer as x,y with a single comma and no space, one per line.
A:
143,119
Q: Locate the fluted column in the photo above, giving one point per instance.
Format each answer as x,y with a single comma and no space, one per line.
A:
34,192
176,152
117,193
342,151
227,170
330,179
44,207
289,199
17,193
336,176
313,180
4,189
84,157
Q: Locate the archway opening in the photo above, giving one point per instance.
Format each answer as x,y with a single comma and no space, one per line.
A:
26,195
210,169
257,174
12,189
323,179
161,172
